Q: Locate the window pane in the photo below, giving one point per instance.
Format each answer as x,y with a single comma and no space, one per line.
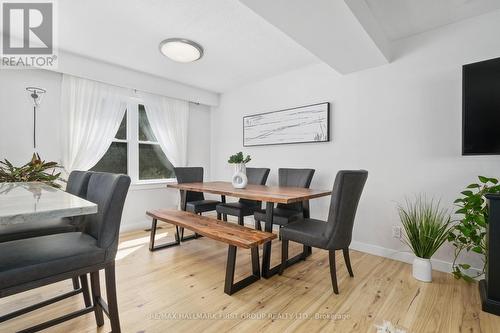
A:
115,159
122,130
153,164
145,132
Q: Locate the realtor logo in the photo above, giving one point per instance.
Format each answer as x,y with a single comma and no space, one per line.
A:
28,34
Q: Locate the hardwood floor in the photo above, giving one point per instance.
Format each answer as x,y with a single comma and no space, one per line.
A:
180,289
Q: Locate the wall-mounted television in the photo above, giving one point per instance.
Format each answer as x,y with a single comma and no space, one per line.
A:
481,108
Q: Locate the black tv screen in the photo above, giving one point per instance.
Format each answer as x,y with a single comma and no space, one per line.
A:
481,108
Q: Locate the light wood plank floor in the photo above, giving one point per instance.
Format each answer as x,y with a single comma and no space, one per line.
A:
180,289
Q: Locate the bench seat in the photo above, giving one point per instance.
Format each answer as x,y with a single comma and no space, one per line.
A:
232,234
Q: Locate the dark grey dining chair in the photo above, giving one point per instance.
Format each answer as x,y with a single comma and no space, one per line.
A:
287,213
34,262
193,202
244,207
76,185
336,232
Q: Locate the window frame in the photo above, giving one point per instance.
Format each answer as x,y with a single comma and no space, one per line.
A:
133,145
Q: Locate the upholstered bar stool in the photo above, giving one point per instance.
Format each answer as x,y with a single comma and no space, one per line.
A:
38,261
244,207
77,185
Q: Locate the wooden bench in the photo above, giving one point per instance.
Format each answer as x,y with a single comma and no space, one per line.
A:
232,234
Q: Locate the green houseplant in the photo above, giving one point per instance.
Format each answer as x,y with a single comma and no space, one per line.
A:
35,170
239,179
469,234
426,227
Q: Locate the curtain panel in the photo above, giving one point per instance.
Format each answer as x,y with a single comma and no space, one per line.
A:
91,115
169,119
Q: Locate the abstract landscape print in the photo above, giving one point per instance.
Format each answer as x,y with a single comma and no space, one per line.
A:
297,125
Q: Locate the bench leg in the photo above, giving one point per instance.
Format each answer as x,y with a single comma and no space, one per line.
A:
152,246
230,287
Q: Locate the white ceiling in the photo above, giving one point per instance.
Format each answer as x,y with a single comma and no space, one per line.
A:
240,46
403,18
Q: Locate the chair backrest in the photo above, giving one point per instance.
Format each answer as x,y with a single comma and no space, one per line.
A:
346,192
256,176
78,182
190,175
108,191
295,178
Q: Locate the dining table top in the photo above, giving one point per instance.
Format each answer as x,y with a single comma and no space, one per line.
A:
276,194
36,201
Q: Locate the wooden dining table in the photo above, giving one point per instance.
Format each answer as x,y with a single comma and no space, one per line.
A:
268,194
30,202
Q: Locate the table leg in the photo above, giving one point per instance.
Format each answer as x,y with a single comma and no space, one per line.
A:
266,254
267,271
307,214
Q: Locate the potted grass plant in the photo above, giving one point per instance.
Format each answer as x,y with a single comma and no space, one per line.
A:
426,227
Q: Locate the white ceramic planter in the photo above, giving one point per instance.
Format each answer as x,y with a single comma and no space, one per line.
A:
422,269
240,179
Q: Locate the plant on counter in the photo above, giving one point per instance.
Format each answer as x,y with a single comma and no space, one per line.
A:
426,227
238,158
470,233
34,170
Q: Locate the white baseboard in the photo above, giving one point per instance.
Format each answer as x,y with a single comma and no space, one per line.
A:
407,257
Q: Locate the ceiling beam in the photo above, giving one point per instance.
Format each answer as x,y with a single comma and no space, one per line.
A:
329,29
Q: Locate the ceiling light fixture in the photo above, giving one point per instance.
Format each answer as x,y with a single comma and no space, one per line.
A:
181,50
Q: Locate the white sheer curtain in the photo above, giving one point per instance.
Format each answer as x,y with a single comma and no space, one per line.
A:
91,114
169,118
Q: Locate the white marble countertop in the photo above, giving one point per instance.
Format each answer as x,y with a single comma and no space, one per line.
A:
31,202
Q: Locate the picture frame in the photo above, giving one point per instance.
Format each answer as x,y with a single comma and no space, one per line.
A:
302,124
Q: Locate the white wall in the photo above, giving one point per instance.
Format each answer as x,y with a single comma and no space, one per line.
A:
16,137
401,122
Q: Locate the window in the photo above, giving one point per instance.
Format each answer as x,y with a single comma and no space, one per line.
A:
135,150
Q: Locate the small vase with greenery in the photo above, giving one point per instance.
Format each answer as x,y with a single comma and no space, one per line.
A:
239,179
426,227
35,170
469,234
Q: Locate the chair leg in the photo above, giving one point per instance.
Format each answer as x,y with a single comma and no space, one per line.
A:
219,216
257,225
240,220
279,232
224,217
96,296
85,290
333,271
348,261
114,317
76,283
284,255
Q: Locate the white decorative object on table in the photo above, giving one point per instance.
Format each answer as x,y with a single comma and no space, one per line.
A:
422,269
239,179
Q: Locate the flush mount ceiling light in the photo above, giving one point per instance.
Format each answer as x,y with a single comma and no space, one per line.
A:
181,50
